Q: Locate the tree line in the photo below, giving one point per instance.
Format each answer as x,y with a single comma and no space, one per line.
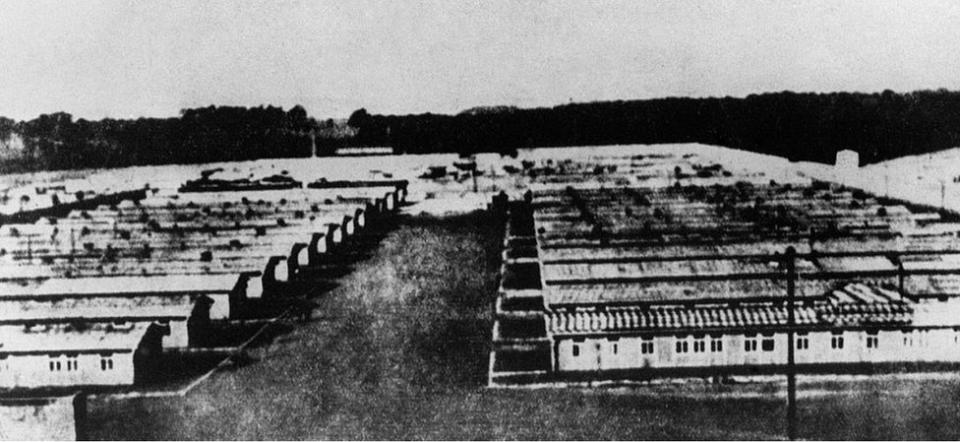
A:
209,134
798,126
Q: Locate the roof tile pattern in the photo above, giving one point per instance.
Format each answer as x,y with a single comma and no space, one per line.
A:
853,305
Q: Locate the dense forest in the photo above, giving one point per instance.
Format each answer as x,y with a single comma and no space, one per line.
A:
810,127
57,141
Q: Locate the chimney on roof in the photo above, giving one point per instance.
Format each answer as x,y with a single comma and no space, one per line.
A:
299,257
318,245
252,284
275,272
359,220
348,225
199,321
390,200
332,231
402,190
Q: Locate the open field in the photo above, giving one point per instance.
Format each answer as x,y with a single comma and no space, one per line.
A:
399,351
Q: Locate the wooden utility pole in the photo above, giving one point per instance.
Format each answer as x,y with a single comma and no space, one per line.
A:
790,258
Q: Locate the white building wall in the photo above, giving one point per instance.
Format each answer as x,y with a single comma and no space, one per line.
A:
103,306
663,352
916,345
221,305
179,336
34,370
577,354
178,330
616,354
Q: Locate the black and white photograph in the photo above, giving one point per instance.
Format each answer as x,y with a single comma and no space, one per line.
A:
479,220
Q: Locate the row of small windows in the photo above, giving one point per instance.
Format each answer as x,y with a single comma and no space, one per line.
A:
699,345
836,342
56,365
646,347
750,343
716,345
921,338
71,364
767,343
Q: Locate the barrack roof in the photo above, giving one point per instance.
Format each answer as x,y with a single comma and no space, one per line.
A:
854,305
15,311
699,292
122,286
44,339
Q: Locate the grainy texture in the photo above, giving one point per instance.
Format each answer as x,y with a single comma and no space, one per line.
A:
399,351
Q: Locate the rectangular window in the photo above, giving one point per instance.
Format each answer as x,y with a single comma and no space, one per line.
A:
750,343
72,363
576,351
106,363
803,342
646,346
907,338
699,345
767,343
716,344
873,340
682,345
616,348
836,341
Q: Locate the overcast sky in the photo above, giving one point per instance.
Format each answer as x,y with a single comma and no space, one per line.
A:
148,58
